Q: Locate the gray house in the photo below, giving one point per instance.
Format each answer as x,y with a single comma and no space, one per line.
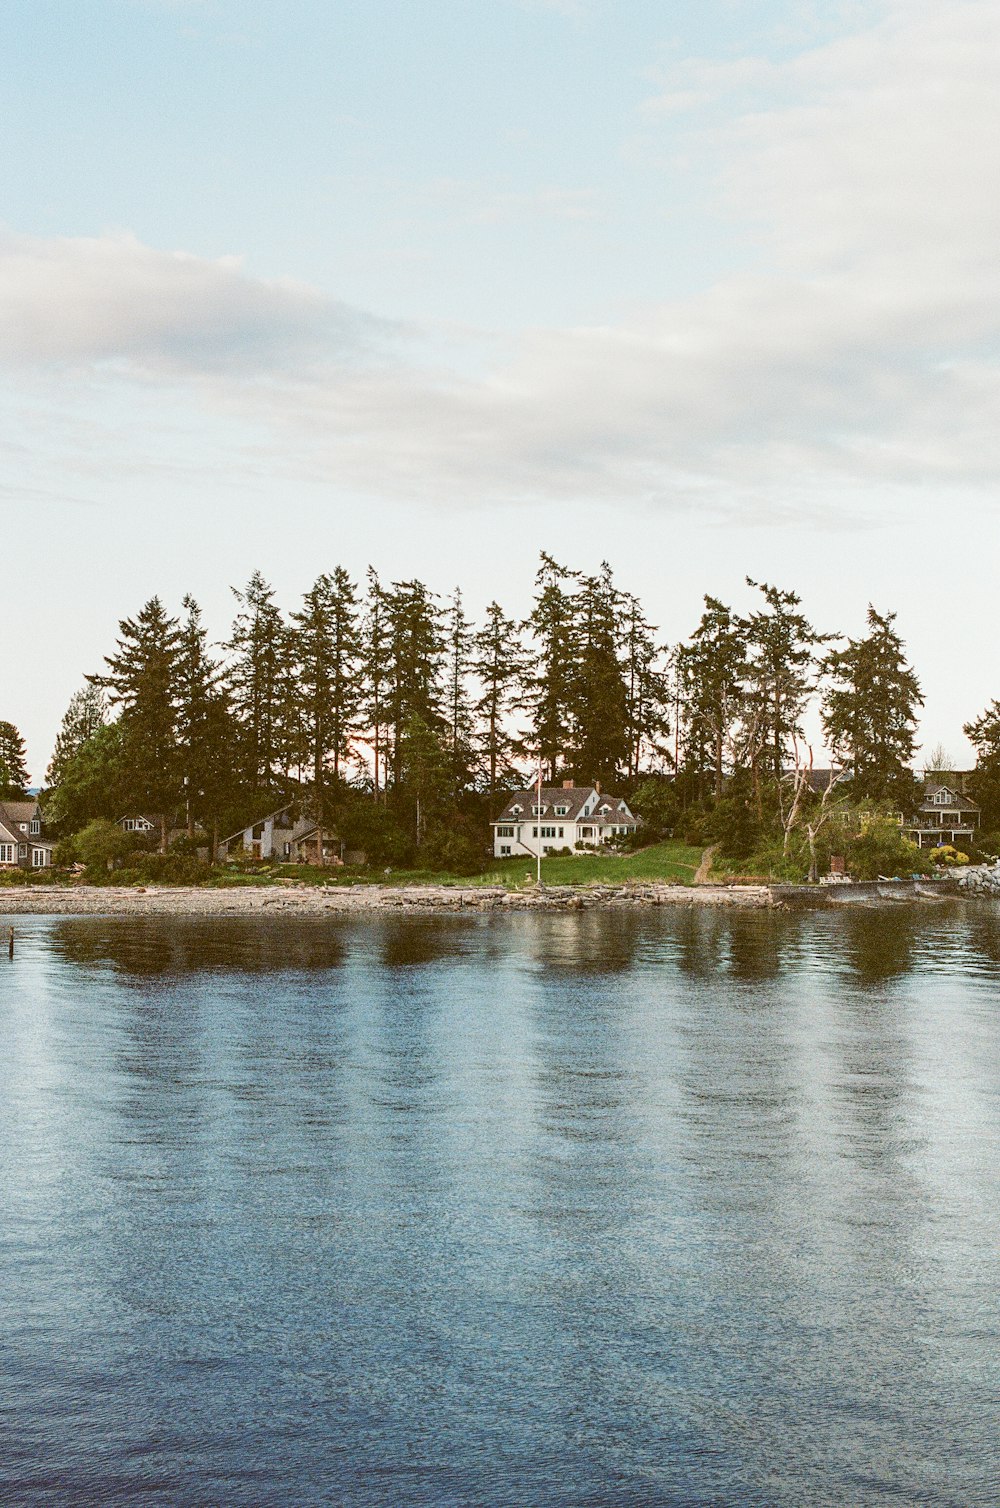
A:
284,837
23,844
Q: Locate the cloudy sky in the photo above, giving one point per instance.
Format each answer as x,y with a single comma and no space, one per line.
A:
706,290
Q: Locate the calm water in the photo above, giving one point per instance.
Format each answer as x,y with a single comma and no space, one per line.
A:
604,1209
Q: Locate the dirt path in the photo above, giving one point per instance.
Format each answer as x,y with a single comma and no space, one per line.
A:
704,869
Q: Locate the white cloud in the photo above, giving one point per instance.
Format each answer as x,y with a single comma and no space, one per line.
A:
859,354
111,299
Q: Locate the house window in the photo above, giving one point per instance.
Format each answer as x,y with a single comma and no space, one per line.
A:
516,810
22,850
561,811
6,853
36,826
548,832
537,809
23,826
39,858
504,849
505,832
560,832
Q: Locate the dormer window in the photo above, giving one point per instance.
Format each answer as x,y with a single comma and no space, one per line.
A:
516,811
941,798
538,808
561,811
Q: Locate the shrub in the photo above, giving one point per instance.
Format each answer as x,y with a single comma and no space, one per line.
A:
102,845
880,848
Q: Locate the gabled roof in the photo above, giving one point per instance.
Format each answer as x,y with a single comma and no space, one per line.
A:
957,799
19,811
279,811
574,798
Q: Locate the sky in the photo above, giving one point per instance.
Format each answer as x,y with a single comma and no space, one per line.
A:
709,291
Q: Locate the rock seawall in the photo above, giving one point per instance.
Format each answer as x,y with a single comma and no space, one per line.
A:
983,879
177,900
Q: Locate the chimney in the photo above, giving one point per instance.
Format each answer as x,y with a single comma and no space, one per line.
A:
567,785
597,786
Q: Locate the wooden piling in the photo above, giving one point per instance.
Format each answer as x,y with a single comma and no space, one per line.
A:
10,942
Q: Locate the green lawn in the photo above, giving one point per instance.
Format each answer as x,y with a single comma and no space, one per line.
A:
661,861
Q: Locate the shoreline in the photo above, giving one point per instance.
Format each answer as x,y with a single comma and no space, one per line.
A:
317,900
299,899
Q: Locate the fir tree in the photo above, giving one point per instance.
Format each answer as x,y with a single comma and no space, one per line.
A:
205,730
13,764
86,713
714,668
259,646
646,690
600,696
553,684
783,671
870,711
375,641
459,643
984,735
415,657
142,681
501,666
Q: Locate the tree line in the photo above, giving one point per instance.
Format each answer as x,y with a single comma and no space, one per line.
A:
393,714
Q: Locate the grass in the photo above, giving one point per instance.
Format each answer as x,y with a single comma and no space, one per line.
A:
661,861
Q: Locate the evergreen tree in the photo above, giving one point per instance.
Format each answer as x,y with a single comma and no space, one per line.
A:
500,665
459,643
600,696
415,657
205,730
714,668
870,711
553,684
313,653
93,784
647,723
259,646
87,711
984,735
142,681
375,641
13,764
783,671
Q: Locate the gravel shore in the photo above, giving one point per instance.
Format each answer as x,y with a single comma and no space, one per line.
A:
316,900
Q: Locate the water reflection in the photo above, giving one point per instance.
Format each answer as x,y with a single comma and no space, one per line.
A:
666,1207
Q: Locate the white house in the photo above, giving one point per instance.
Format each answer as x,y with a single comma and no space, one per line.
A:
578,817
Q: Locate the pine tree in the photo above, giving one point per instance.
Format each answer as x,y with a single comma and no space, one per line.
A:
870,711
714,668
783,672
459,649
600,701
553,684
501,665
87,711
415,657
205,729
313,653
647,723
13,764
259,645
142,681
984,735
375,641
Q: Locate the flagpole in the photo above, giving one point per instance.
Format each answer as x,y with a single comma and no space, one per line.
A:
539,827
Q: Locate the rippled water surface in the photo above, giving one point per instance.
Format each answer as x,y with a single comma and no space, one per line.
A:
669,1208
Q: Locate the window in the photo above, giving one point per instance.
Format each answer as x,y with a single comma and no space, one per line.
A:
561,811
39,858
548,832
22,850
504,849
36,826
23,826
505,832
538,809
560,832
6,853
516,811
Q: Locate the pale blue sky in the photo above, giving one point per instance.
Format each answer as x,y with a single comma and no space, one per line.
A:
707,289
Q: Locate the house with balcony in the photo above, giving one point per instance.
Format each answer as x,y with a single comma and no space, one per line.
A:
578,817
945,815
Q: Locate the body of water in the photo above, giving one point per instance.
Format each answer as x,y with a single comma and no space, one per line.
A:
622,1208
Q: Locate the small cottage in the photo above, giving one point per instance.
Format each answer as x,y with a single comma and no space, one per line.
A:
23,844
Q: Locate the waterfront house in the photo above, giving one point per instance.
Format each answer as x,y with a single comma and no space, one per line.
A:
283,836
23,844
577,817
945,815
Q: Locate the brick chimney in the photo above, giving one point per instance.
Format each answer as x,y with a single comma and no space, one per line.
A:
597,786
567,785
